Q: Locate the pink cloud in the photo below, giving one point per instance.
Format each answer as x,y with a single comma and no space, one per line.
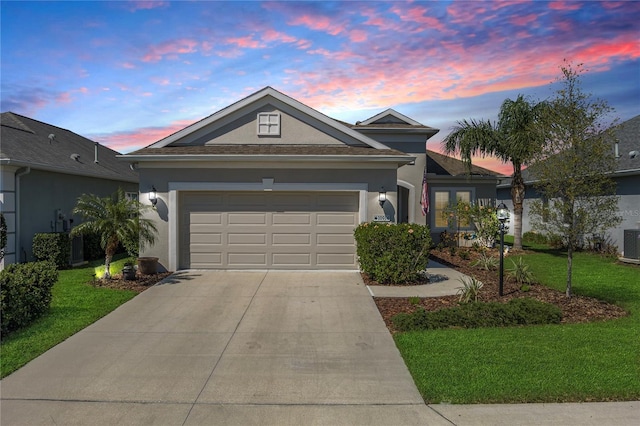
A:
170,49
128,65
145,5
130,140
319,23
247,42
357,36
564,5
419,15
273,35
525,20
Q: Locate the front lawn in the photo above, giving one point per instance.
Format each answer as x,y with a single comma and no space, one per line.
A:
596,361
75,304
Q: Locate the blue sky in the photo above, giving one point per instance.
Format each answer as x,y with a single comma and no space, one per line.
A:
129,73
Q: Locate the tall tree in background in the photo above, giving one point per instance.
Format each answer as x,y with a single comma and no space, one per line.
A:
116,220
572,168
511,139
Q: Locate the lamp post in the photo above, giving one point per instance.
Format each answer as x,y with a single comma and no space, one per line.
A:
503,215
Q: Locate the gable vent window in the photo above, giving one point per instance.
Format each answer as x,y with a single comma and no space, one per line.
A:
269,124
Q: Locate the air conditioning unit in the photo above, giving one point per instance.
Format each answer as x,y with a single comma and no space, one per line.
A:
632,243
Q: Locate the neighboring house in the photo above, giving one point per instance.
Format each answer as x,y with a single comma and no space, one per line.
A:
626,176
269,182
44,171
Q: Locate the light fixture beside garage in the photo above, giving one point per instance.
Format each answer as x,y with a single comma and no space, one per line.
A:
382,196
153,196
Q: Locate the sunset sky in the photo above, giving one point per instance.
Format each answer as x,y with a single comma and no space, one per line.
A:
127,74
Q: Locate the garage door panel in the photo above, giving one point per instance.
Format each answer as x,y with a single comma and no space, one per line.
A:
290,239
335,259
291,219
335,219
291,259
244,239
206,260
247,218
206,218
211,238
334,239
268,230
246,259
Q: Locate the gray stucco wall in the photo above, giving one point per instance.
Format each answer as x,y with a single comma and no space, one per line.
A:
160,178
43,193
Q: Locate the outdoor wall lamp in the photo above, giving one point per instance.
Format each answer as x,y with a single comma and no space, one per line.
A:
503,216
153,196
382,196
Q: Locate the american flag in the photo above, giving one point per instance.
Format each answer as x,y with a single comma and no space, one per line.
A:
424,199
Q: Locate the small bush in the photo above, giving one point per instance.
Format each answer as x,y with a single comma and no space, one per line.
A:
534,238
469,290
393,253
464,254
25,293
486,262
520,272
52,247
91,246
524,311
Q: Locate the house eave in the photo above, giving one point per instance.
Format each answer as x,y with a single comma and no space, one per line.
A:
49,168
399,159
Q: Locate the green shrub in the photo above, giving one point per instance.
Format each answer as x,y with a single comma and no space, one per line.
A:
534,238
52,247
25,293
524,311
3,235
469,290
91,248
393,253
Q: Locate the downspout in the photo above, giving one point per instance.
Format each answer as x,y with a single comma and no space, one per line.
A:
19,173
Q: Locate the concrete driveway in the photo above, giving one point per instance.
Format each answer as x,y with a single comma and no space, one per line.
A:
208,347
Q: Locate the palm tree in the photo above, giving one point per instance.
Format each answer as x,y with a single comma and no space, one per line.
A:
116,220
511,139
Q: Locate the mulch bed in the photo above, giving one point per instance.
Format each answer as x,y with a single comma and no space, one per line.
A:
140,284
577,309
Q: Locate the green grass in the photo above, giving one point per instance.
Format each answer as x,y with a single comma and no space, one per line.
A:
75,305
598,361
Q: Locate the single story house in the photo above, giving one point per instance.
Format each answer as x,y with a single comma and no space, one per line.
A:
626,176
269,182
44,170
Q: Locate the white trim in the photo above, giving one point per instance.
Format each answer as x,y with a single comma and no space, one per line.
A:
412,199
176,187
255,97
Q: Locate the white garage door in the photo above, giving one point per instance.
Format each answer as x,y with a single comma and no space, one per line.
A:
278,230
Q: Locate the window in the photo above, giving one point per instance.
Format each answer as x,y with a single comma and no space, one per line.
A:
268,124
443,198
131,196
442,201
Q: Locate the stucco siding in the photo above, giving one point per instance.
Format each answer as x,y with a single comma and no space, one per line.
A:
250,179
43,194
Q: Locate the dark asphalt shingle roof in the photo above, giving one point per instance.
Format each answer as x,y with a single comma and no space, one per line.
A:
628,134
441,164
25,141
266,150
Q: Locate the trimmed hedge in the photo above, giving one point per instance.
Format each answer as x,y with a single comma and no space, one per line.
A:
522,311
25,293
393,253
54,247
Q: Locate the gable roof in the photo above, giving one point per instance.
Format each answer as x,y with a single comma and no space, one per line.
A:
264,95
441,164
389,116
42,146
